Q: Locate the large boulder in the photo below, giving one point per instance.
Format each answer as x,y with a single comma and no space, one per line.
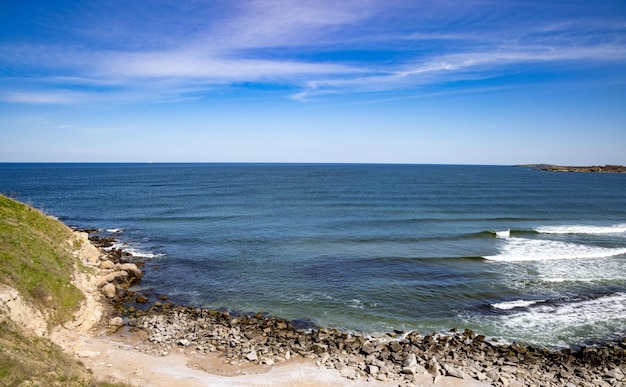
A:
109,290
131,269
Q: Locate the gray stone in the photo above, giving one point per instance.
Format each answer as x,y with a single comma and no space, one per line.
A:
409,360
252,356
433,366
368,348
615,373
395,346
87,354
349,372
453,371
106,265
108,290
131,268
116,322
493,375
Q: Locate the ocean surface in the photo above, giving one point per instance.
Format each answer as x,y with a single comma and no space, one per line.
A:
521,255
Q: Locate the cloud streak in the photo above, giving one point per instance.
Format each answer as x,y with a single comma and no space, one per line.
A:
310,48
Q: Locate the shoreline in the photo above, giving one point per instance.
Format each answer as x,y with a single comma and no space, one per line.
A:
245,342
577,169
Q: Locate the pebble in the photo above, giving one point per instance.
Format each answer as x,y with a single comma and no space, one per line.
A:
463,355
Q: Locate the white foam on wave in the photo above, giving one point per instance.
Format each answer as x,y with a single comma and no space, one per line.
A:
507,305
114,230
142,254
568,319
356,303
522,249
132,250
503,234
582,229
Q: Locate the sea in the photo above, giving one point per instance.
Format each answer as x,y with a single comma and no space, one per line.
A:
517,254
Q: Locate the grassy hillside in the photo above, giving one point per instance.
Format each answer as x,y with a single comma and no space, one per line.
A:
35,260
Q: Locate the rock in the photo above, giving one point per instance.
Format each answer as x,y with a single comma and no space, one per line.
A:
368,348
453,371
615,373
395,346
120,276
409,370
131,268
141,299
493,375
106,265
87,354
409,360
266,340
116,322
349,372
373,370
109,290
319,348
433,366
252,356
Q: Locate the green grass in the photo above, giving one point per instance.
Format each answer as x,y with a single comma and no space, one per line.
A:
36,359
36,260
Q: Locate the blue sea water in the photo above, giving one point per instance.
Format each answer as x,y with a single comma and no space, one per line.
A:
514,253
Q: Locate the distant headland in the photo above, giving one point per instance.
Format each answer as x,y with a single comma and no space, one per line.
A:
560,168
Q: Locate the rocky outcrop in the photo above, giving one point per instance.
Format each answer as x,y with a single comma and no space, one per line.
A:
596,168
398,356
116,271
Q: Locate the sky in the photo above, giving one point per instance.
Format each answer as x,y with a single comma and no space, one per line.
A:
368,81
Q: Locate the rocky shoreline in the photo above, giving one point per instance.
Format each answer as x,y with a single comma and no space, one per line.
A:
401,357
587,169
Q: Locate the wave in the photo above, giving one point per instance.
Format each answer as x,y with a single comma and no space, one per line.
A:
582,229
523,249
508,305
135,252
561,229
503,234
566,320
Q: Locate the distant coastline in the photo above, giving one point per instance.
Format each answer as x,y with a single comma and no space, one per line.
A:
588,169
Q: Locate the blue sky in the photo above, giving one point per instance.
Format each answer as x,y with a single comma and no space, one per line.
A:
383,81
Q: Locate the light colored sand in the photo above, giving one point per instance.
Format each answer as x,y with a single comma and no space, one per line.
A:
113,358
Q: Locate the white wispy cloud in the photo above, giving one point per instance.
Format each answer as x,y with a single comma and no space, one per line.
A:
287,23
196,47
216,68
54,97
463,66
